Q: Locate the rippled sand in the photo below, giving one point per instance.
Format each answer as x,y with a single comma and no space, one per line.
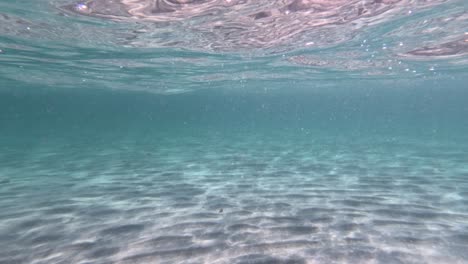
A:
255,200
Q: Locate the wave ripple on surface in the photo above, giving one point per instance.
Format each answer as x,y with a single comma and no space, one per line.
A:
236,24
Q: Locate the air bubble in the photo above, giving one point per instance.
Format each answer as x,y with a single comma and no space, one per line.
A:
82,7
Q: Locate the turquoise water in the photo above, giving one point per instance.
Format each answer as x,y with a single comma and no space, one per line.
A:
246,132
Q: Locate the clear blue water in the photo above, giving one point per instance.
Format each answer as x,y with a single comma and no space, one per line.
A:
246,132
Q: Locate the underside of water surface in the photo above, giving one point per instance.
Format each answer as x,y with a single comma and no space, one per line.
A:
229,131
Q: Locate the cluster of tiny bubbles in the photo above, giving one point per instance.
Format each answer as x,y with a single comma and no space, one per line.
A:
391,64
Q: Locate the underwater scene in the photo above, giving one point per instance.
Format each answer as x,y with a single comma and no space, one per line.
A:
233,131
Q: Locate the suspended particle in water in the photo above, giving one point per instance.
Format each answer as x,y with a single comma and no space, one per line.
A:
1,51
400,44
431,68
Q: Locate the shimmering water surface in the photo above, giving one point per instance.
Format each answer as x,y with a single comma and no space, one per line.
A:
229,131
